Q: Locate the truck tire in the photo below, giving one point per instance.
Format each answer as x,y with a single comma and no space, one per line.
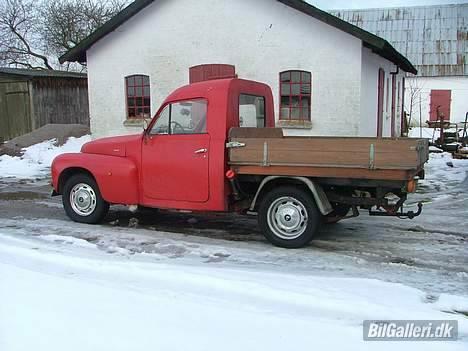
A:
82,200
288,217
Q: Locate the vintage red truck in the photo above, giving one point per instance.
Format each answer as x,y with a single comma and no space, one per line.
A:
212,146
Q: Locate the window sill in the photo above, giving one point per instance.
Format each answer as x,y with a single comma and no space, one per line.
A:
136,122
294,124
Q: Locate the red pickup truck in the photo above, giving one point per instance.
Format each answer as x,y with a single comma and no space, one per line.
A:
212,146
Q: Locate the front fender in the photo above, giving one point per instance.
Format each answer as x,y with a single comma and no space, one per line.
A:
117,177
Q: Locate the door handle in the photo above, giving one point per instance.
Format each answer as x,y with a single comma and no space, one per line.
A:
201,151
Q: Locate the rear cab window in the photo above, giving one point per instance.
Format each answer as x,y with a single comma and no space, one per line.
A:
251,111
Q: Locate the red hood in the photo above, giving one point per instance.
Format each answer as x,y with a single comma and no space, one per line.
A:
114,146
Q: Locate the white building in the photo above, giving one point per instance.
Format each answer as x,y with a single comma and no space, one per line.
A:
435,39
329,70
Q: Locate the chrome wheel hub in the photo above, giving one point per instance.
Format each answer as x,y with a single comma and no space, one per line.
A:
83,199
287,218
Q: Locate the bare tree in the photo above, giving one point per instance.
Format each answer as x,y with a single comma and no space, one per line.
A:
414,96
19,39
66,23
34,33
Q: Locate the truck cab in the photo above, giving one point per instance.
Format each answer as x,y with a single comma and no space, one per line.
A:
183,151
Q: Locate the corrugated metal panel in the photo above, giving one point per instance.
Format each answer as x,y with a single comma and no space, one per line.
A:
433,38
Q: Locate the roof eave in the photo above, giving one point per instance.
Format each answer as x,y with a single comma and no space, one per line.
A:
388,52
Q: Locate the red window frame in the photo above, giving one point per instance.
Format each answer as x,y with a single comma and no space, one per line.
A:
138,96
295,88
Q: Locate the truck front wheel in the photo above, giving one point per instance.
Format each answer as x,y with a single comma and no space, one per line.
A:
82,200
288,217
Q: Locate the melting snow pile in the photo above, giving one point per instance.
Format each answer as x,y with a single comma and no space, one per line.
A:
36,160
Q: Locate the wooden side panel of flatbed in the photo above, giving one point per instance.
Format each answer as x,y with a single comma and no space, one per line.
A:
336,157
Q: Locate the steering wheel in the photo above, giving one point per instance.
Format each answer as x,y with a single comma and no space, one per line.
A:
177,125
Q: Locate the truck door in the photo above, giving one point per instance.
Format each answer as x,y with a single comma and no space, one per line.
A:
175,154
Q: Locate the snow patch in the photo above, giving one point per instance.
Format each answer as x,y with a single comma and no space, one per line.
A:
452,303
443,172
60,239
427,133
37,159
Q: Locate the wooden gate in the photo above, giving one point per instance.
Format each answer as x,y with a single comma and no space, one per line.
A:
15,110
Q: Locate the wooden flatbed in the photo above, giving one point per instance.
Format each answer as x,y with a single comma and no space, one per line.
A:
267,152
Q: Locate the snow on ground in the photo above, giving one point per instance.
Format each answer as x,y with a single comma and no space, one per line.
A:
443,172
423,132
428,133
65,294
36,159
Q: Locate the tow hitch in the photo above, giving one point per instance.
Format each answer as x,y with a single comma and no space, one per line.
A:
397,211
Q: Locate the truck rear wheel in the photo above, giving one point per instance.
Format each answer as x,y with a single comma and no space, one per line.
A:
82,200
289,217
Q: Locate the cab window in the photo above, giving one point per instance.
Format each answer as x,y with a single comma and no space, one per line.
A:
251,111
162,123
183,117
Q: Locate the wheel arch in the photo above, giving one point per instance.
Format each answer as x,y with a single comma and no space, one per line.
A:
70,172
315,190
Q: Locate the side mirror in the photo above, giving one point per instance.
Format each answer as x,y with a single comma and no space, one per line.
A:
145,125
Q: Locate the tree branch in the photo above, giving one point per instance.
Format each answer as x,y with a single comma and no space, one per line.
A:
29,51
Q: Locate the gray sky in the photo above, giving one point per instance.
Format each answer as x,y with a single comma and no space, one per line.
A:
359,4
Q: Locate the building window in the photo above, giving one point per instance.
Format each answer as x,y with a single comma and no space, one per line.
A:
138,96
295,91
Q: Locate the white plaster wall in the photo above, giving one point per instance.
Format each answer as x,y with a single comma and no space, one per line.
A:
371,63
421,88
261,38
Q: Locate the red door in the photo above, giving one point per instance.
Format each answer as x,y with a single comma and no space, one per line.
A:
175,167
403,122
175,154
380,98
440,105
